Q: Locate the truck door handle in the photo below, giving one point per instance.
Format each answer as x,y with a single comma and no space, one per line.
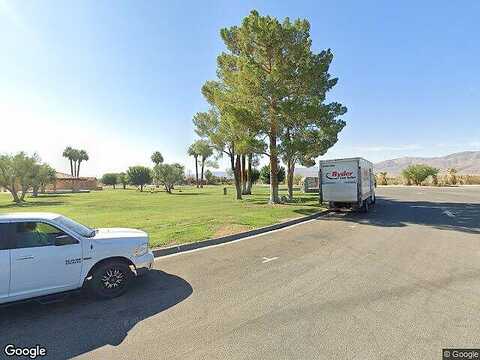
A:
29,257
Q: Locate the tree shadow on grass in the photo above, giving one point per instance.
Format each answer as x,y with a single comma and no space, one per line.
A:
307,211
302,200
29,204
48,196
79,325
255,201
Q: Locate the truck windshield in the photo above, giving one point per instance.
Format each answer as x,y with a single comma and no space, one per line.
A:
80,229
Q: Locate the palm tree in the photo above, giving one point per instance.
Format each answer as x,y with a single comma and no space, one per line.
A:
157,157
205,151
193,151
67,153
82,156
75,154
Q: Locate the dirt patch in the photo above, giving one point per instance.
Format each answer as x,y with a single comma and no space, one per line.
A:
230,229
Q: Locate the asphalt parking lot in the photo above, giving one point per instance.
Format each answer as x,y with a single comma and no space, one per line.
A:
401,282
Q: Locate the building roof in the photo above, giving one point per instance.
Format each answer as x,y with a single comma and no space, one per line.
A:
63,175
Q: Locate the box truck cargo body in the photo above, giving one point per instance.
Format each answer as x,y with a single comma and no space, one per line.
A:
347,183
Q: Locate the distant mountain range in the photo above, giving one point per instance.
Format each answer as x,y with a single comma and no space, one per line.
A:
466,163
221,173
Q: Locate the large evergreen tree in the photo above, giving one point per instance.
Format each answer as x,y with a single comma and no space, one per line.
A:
273,80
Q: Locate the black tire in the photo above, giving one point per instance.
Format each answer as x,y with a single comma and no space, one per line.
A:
110,280
365,206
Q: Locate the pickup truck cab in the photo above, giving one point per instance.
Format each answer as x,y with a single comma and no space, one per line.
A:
43,254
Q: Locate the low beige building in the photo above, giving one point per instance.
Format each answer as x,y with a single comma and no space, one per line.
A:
68,182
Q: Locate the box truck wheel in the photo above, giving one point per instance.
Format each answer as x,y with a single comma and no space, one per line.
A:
364,208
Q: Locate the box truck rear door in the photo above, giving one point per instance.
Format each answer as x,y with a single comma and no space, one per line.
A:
339,181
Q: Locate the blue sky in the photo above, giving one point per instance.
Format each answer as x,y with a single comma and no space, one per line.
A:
122,79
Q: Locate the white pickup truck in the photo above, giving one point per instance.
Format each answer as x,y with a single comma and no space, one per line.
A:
43,254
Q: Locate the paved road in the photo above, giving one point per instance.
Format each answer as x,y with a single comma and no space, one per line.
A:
399,283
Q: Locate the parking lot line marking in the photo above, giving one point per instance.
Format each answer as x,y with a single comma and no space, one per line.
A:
266,260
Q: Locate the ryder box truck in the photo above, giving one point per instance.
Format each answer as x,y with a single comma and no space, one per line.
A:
347,183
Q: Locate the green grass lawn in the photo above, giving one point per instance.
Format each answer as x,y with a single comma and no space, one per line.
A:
187,215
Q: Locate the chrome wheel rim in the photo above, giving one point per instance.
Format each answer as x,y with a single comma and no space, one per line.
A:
113,279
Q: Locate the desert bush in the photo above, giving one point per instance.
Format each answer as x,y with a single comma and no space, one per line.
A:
469,179
452,176
382,178
418,173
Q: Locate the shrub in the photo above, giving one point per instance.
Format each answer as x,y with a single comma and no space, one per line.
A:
169,175
265,174
254,175
110,179
382,178
139,176
210,178
452,176
123,179
418,173
19,172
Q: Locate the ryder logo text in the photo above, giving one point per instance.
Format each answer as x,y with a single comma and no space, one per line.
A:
340,175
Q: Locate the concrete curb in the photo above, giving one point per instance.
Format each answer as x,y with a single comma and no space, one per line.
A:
159,252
